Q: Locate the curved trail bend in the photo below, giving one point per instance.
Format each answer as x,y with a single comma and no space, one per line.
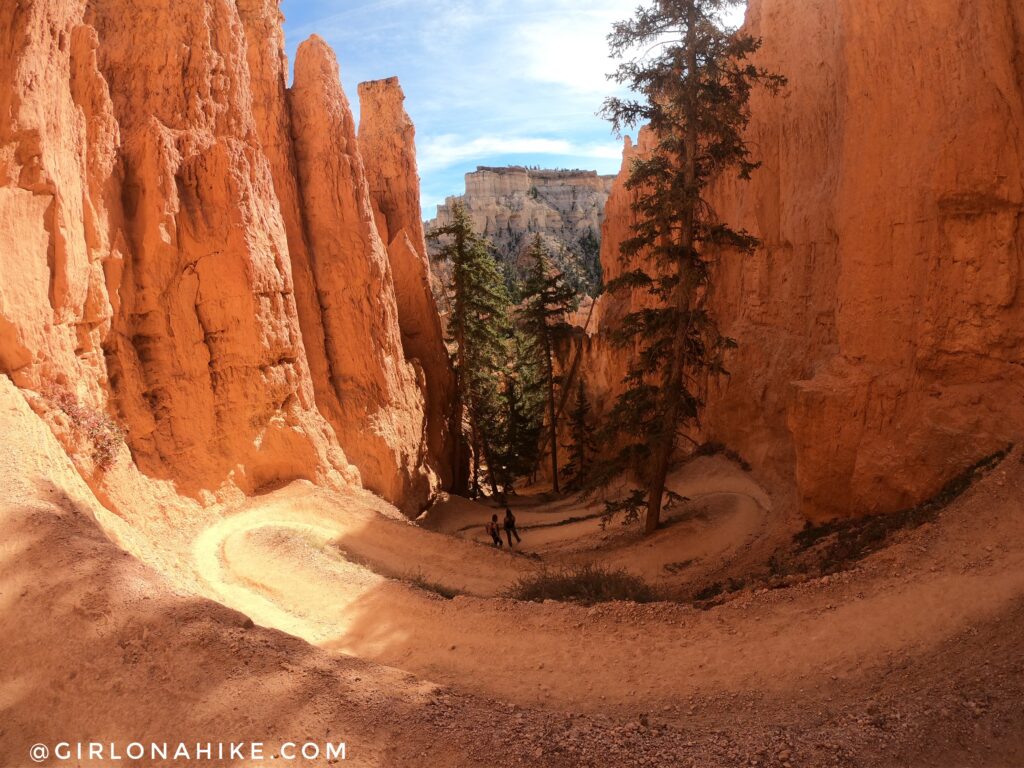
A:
332,570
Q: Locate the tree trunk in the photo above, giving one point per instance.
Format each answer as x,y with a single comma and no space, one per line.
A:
461,474
490,468
552,416
474,475
673,398
672,394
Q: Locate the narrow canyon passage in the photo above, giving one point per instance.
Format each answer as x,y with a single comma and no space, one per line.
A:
342,643
269,357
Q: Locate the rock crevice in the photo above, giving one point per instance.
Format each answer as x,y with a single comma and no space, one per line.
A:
161,264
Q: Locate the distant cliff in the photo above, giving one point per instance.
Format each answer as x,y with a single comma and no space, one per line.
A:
510,205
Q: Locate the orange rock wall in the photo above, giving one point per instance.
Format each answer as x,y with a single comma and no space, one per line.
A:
881,325
191,248
381,418
387,138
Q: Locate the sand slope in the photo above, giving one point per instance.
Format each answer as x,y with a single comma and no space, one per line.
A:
911,659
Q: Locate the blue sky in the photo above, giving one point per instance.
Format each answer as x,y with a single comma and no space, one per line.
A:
487,82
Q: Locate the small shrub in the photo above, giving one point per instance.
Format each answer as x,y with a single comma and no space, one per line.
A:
630,508
709,592
97,428
679,567
420,581
719,449
586,584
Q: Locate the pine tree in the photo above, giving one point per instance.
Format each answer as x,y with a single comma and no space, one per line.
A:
524,404
547,300
694,77
478,329
583,445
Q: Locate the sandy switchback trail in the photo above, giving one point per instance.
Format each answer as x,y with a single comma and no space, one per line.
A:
318,566
912,658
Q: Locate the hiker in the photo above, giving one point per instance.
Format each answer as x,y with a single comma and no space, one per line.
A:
510,527
492,528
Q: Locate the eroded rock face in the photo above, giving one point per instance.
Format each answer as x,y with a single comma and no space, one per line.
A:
159,263
58,145
881,325
509,206
387,141
381,415
205,358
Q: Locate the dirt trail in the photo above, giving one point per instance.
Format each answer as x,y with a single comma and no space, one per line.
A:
280,561
912,658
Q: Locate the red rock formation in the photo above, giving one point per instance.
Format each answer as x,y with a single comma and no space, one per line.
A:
881,326
387,141
205,357
58,143
381,417
151,226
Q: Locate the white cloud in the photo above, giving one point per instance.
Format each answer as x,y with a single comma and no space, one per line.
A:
566,43
569,47
486,81
438,152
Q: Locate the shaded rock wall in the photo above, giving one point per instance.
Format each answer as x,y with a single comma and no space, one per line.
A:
159,262
387,139
881,325
381,419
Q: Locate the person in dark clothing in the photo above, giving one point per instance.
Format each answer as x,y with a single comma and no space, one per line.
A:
492,528
510,527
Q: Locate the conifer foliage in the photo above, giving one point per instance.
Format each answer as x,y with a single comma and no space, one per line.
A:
547,301
582,446
694,78
478,330
525,399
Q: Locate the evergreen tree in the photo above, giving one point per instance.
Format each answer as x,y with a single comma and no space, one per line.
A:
546,302
694,78
589,248
583,445
525,400
478,328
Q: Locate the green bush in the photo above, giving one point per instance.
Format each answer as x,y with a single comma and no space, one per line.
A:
586,584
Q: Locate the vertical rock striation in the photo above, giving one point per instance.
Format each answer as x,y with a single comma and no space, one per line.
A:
59,259
387,140
206,361
381,416
159,262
